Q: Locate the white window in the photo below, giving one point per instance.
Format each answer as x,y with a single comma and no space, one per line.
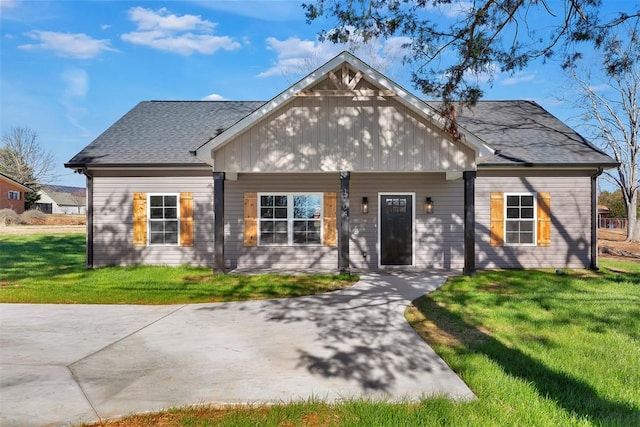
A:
290,219
164,220
520,219
14,195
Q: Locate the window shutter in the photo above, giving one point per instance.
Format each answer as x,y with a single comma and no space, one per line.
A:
329,229
186,219
496,229
250,219
544,219
139,219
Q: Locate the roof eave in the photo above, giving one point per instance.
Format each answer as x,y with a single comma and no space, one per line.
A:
566,165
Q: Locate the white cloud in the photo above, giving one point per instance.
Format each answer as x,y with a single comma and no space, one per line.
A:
105,27
214,97
518,78
68,45
297,56
168,32
74,92
147,19
6,4
76,83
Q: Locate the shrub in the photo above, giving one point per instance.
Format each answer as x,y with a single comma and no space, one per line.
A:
9,216
33,217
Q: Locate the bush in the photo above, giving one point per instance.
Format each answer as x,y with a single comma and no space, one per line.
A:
33,217
9,216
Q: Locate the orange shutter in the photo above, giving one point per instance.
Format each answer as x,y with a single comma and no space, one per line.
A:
544,219
251,219
329,229
497,219
139,219
186,219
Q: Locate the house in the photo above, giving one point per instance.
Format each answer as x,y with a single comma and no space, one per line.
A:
61,199
343,170
12,194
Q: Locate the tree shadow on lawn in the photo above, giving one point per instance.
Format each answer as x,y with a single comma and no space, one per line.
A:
573,395
41,257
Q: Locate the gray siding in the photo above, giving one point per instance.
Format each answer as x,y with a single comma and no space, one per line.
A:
570,219
281,257
326,134
439,236
113,218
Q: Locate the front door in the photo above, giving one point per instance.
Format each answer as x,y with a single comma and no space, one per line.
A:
396,229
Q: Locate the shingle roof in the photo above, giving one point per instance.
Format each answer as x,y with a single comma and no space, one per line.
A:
8,179
64,195
524,133
163,133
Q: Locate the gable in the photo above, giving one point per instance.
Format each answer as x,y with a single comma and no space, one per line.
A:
333,133
345,73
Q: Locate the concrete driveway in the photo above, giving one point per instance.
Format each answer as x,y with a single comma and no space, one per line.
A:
64,364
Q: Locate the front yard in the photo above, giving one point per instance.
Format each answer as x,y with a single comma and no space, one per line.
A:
43,268
536,347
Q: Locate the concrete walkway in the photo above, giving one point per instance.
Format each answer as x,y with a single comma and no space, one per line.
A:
65,364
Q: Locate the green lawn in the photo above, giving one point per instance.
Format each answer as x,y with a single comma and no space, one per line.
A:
50,269
538,349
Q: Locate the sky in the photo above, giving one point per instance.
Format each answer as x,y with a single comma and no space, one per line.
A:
70,69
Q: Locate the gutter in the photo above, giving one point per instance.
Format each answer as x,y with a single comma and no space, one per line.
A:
594,218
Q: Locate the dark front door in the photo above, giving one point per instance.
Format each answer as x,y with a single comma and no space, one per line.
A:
396,236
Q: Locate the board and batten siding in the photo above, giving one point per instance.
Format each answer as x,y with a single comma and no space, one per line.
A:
439,236
330,134
113,219
570,198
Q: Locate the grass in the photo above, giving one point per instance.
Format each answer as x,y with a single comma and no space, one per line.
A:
50,269
537,348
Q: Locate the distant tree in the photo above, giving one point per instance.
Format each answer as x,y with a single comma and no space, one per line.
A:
452,41
23,159
614,202
79,198
610,102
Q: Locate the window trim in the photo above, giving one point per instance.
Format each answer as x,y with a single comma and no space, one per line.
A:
533,220
12,192
150,220
290,217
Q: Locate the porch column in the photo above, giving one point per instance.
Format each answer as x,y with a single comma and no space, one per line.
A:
343,248
218,213
469,221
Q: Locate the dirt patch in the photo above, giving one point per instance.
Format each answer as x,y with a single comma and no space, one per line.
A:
611,244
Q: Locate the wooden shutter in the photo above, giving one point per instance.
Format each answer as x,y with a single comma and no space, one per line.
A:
186,219
329,225
251,219
496,229
544,219
139,219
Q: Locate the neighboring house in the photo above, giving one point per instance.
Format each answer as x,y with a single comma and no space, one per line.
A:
12,194
60,199
343,170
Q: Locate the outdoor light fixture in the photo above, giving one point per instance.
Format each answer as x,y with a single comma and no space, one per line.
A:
428,205
365,205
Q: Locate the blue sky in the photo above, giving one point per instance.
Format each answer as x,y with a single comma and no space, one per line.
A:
69,69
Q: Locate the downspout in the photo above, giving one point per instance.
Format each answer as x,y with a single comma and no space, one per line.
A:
89,213
594,219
